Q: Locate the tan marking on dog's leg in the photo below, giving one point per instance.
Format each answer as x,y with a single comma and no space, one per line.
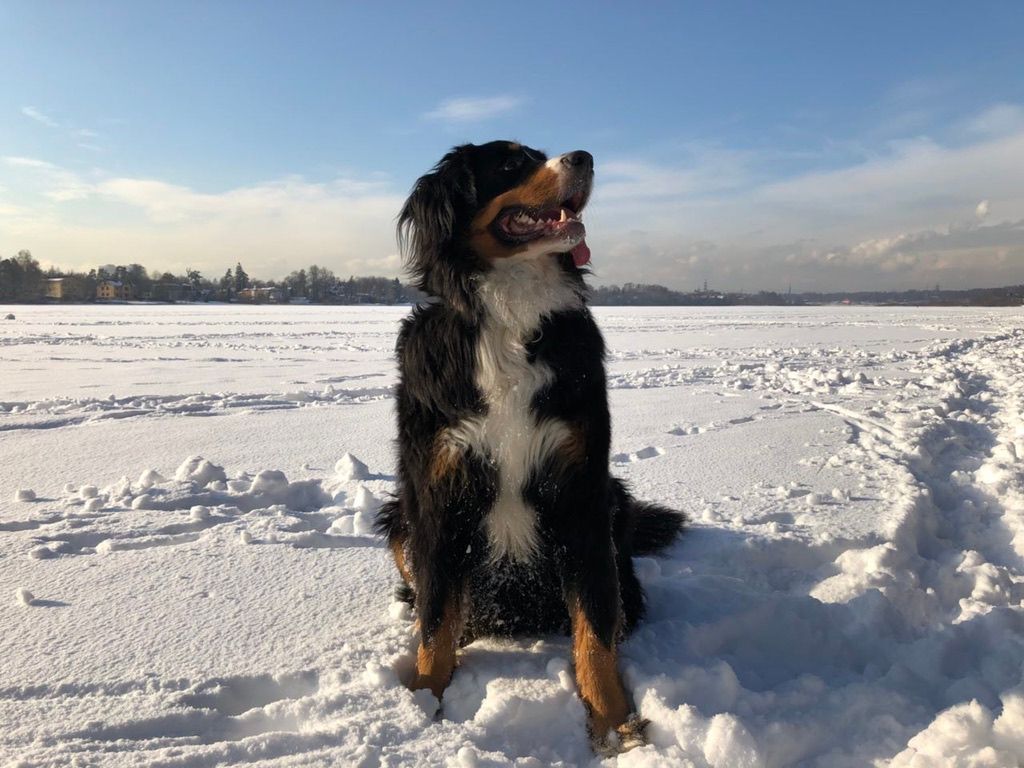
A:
446,459
597,678
573,449
398,552
435,661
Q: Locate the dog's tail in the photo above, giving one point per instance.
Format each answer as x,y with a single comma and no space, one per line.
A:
389,521
656,527
653,527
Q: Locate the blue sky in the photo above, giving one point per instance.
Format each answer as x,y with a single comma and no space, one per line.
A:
752,145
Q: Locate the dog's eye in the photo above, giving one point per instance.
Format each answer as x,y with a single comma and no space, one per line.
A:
513,163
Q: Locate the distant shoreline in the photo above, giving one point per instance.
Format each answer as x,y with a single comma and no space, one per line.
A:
742,302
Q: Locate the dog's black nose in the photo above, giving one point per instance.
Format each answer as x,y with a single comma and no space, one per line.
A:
578,160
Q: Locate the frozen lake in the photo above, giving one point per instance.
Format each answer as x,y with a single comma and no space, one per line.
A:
851,591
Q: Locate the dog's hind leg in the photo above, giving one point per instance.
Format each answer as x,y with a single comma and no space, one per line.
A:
398,552
391,525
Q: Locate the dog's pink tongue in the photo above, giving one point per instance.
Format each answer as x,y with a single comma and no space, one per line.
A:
580,254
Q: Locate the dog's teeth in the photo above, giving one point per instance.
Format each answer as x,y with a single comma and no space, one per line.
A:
565,215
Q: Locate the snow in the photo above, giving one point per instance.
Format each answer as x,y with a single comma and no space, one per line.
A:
196,581
351,468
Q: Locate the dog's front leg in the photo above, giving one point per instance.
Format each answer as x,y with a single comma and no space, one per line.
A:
440,629
439,572
591,584
594,610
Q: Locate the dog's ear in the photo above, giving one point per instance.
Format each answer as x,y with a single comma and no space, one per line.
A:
439,199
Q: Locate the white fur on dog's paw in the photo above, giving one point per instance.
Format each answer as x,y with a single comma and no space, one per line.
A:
632,733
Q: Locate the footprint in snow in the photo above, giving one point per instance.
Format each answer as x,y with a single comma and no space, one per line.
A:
648,452
234,695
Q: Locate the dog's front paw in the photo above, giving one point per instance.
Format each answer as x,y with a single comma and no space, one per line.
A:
622,738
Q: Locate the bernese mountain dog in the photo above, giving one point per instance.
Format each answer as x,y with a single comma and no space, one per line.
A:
506,520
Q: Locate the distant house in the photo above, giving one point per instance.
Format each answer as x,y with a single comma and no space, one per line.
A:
263,295
56,288
168,291
113,290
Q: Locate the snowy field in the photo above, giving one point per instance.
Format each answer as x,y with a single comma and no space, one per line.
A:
187,576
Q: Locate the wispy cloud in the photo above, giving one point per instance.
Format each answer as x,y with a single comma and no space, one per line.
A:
468,109
998,120
82,137
39,117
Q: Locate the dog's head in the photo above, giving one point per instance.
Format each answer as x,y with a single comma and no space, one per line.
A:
482,204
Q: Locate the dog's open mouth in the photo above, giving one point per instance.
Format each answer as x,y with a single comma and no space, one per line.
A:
526,224
562,223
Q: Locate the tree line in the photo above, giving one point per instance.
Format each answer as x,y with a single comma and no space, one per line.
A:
22,279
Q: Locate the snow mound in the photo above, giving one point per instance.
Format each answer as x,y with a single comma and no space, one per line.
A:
350,468
149,478
198,470
970,735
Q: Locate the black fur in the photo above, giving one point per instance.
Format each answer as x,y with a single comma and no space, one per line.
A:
590,527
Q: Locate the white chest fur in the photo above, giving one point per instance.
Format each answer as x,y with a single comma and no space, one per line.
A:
517,296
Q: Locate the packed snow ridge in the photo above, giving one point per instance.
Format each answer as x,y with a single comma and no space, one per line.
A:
208,591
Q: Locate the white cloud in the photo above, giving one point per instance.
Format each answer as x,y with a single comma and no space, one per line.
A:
55,183
467,110
39,117
906,216
712,171
272,227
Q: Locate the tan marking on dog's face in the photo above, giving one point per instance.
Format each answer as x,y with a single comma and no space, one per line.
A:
597,677
541,190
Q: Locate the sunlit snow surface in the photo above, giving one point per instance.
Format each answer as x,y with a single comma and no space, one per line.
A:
188,578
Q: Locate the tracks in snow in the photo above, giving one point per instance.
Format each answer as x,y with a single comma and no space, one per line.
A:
68,412
959,548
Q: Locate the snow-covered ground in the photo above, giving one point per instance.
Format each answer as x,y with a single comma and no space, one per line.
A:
185,501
